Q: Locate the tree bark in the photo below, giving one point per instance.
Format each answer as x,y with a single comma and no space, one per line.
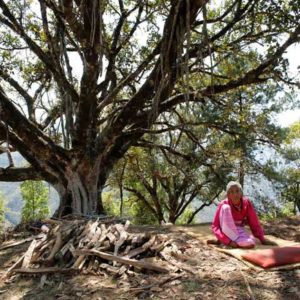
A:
80,191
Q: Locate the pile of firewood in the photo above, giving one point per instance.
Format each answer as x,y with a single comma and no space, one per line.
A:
92,247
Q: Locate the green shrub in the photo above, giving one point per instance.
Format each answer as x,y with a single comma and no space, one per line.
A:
35,195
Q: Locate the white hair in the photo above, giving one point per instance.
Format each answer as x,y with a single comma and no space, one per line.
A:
233,183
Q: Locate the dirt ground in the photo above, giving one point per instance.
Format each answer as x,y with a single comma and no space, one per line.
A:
203,273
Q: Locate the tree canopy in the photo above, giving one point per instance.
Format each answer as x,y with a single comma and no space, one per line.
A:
83,81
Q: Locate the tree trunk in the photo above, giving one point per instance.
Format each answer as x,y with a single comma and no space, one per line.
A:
80,191
76,199
172,216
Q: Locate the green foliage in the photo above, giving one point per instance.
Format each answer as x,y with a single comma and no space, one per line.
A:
286,211
110,203
133,209
291,174
139,213
35,195
184,218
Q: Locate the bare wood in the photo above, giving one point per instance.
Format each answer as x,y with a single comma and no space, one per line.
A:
96,236
39,251
66,247
138,239
82,263
102,237
3,247
28,254
120,242
56,247
141,249
109,268
91,232
123,260
111,237
78,261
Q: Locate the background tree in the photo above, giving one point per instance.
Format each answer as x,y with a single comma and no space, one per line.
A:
291,175
35,196
195,152
72,124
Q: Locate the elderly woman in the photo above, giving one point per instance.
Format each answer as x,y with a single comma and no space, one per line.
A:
232,215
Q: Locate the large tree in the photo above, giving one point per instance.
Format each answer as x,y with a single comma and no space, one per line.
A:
82,81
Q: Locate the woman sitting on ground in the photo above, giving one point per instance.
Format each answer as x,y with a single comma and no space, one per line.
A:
232,215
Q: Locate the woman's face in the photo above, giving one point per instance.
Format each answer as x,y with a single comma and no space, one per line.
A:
234,194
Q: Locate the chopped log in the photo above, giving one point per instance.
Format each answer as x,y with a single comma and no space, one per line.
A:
61,246
66,247
141,249
112,269
112,238
96,236
51,270
28,254
102,236
127,223
121,241
79,261
122,260
56,247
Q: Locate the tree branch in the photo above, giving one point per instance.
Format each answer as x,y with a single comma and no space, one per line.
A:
19,174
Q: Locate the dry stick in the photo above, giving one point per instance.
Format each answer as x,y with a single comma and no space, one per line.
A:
125,261
20,242
147,287
252,297
45,270
14,266
177,264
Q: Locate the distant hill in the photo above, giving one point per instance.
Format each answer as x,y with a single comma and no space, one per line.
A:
11,192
